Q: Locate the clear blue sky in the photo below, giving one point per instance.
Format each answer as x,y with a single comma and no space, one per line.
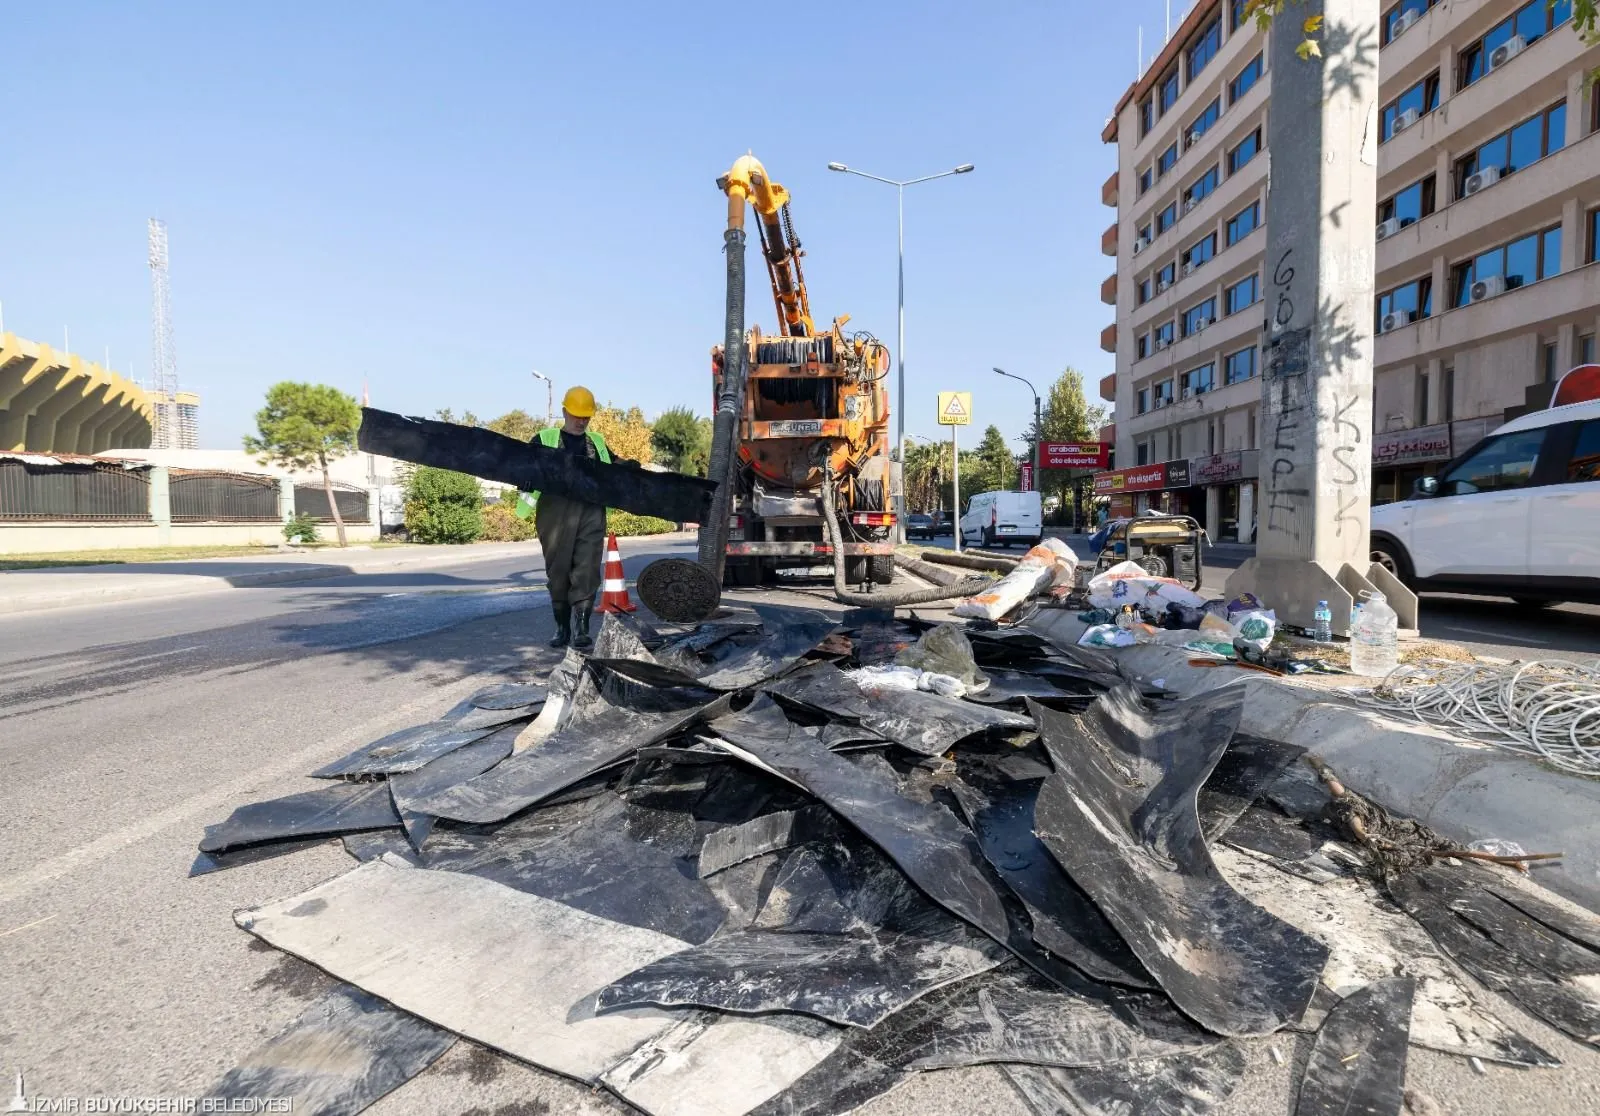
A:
443,196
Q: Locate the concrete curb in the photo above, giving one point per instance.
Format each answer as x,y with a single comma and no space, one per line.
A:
1465,790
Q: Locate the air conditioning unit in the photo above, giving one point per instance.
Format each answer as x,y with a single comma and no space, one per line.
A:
1407,118
1140,245
1161,402
1388,228
1394,319
1158,344
1488,288
1403,23
1188,269
1189,137
1161,285
1506,51
1198,326
1190,203
1482,180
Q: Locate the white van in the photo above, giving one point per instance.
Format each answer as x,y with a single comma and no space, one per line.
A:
1003,517
1517,515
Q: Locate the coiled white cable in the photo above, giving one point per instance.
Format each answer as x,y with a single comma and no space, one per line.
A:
1549,708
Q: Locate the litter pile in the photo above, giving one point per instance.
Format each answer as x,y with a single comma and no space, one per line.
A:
782,862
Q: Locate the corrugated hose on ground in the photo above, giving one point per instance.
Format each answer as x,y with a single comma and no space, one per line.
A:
890,598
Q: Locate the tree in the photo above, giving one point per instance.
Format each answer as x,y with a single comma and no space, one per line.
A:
1068,417
445,414
682,442
627,434
443,506
304,425
996,458
516,424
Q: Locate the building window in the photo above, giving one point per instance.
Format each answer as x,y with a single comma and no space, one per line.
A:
1146,235
1594,224
1142,347
1146,180
1165,276
1422,399
1586,349
1252,432
1243,223
1594,110
1198,317
1198,381
1166,218
1240,366
1421,99
1396,13
1161,336
1244,79
1168,92
1411,302
1141,452
1147,117
1527,260
1447,394
1168,159
1200,188
1205,48
1199,252
1547,365
1236,13
1144,291
1515,148
1246,151
1532,21
1211,436
1243,294
1161,394
1202,123
1142,403
1410,205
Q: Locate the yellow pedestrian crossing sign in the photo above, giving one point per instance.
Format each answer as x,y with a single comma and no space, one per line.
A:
955,408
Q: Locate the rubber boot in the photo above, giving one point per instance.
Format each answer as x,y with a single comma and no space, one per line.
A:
581,611
563,634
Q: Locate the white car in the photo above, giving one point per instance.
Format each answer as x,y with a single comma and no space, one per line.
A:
1517,515
1003,517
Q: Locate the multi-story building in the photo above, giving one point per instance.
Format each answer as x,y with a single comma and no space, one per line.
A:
1489,183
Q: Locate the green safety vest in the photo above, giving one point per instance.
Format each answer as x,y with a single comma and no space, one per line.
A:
550,437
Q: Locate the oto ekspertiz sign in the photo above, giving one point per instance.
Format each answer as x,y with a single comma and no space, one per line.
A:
1074,455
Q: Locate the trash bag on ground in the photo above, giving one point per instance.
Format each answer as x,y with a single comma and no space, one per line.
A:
1130,583
945,650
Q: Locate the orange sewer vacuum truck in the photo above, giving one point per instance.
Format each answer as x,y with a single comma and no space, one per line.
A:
813,412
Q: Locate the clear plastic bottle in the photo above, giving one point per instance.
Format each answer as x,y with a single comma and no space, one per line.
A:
1375,643
1324,623
1126,620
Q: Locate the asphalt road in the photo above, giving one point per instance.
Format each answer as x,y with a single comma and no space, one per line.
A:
126,728
1492,626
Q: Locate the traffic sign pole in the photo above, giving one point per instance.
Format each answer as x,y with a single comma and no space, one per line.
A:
955,485
955,411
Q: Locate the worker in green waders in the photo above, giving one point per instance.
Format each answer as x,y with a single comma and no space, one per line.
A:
572,534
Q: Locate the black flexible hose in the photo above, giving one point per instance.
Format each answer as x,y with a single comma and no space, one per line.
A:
890,598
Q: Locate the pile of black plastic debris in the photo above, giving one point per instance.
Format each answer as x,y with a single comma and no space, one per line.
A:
761,866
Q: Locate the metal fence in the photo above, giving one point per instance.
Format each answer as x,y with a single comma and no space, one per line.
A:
312,500
103,493
208,497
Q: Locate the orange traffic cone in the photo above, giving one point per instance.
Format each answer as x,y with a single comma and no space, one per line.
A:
614,597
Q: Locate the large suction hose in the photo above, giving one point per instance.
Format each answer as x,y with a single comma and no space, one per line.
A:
891,598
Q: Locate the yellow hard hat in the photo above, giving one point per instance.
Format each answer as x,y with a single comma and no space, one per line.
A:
578,402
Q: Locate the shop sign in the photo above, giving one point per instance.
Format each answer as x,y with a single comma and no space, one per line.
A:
1074,455
1025,477
1177,474
1404,447
1140,478
1223,468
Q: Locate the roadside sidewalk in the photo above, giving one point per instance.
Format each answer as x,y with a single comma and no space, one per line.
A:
66,587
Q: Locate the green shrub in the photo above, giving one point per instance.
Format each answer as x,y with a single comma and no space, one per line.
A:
443,506
623,524
302,528
501,523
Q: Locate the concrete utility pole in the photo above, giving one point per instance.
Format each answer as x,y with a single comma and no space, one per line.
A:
1316,383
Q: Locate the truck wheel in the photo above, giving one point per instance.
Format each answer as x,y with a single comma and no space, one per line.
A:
739,573
883,569
855,570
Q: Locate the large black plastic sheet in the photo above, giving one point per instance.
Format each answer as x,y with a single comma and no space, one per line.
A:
533,467
782,829
935,850
407,749
510,695
1545,969
739,659
324,812
1358,1060
923,722
1120,816
342,1054
1246,769
445,772
1065,920
1184,1085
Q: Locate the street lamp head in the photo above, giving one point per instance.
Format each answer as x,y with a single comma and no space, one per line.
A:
964,168
1002,371
837,167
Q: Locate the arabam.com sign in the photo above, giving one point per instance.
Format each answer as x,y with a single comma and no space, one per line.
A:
1074,455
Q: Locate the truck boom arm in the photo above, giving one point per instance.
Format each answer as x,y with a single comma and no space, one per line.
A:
748,181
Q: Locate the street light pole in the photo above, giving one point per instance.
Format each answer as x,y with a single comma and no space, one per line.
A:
549,395
1038,432
900,340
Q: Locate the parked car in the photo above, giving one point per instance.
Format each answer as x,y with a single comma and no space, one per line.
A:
1004,518
919,526
1517,515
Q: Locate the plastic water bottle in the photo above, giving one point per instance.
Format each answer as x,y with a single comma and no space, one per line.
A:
1324,620
1355,614
1375,643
